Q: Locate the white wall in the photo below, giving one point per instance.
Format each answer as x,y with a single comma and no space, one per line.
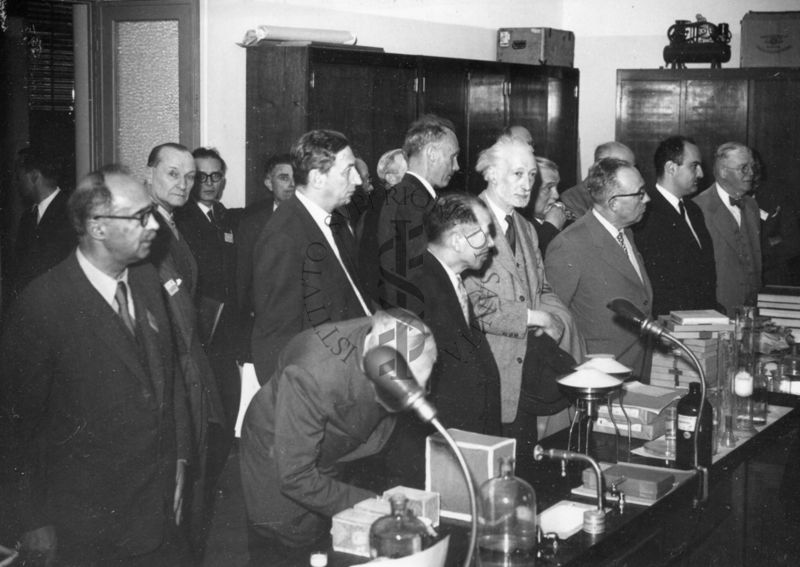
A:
610,35
632,34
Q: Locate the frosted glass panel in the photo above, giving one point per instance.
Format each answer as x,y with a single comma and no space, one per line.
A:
146,89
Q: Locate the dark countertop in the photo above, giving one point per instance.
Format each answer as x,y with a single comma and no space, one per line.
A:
674,530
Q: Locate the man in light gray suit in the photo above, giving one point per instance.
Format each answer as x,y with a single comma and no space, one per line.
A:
732,218
595,260
512,300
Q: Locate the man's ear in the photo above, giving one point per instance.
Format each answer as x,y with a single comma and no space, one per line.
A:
316,178
268,183
96,230
432,153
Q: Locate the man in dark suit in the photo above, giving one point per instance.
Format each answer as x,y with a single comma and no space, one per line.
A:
577,198
733,221
305,270
171,178
398,243
595,260
279,182
672,236
208,228
317,413
93,393
45,235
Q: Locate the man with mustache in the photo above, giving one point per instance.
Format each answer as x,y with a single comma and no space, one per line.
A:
525,322
672,237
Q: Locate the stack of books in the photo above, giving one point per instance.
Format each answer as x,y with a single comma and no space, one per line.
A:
781,304
700,331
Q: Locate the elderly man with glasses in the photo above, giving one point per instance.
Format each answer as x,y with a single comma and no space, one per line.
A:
595,260
733,220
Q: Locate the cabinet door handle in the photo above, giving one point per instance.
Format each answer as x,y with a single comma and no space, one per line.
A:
424,84
311,80
416,84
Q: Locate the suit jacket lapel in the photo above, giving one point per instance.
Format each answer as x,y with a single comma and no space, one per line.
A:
105,324
723,219
150,329
451,295
504,254
612,253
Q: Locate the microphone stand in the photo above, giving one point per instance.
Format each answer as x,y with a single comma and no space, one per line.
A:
627,310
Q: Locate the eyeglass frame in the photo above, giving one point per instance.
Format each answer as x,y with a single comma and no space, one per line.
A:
202,177
143,217
743,169
640,193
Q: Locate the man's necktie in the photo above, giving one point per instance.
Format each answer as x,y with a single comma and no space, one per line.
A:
511,234
621,240
682,209
121,297
463,299
210,215
737,202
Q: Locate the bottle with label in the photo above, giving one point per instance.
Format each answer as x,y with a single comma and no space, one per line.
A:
399,534
688,411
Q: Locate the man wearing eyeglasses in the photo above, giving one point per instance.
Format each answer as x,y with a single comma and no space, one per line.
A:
465,382
733,220
595,260
93,396
208,228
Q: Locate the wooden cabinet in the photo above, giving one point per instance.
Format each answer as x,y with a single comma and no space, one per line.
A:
758,107
373,96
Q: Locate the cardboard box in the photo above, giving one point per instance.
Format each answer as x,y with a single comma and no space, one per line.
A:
350,531
771,39
423,504
443,473
647,483
536,46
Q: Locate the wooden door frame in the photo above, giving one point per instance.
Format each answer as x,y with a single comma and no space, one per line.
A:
104,16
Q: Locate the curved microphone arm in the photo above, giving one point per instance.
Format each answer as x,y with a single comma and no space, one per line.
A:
647,326
397,389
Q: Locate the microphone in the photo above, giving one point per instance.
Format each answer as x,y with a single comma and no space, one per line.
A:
395,384
631,313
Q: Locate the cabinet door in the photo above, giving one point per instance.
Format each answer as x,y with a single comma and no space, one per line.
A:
487,108
442,90
277,102
774,132
394,101
545,100
648,111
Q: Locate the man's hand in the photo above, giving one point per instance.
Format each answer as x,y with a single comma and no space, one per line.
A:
180,480
40,543
543,322
556,215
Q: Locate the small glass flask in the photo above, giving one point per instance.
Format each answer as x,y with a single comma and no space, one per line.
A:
507,519
760,387
399,534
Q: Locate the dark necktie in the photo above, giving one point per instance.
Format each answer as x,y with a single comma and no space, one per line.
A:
345,242
621,240
511,234
682,209
210,215
737,201
121,297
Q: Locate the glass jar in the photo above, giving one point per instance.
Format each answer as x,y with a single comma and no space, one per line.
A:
507,519
399,534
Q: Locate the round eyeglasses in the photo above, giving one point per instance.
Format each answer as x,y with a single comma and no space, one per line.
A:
143,216
214,177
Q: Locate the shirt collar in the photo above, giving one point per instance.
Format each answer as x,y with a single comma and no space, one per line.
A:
320,215
105,285
725,197
164,212
203,207
42,206
428,187
498,213
454,277
671,199
612,230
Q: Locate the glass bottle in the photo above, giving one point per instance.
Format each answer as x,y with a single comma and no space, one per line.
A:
507,519
688,410
760,387
743,379
399,534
